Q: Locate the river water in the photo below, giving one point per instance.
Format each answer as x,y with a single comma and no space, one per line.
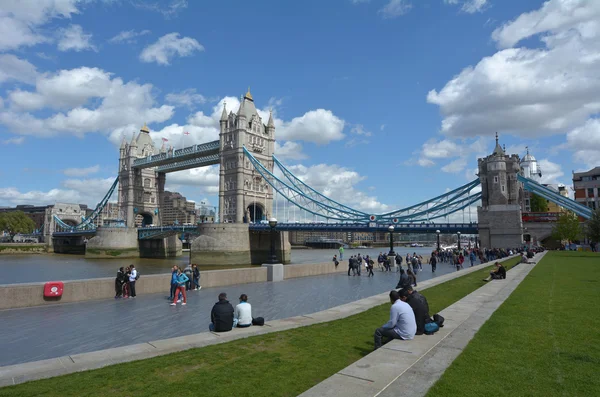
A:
53,267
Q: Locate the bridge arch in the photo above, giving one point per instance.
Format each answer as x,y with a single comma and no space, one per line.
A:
255,212
144,219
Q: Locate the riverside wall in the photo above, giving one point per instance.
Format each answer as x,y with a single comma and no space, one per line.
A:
23,248
13,296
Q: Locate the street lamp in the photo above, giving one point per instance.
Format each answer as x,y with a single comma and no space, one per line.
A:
438,239
272,224
458,233
391,230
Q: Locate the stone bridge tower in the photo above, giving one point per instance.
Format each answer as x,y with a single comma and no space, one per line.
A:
500,223
141,191
244,195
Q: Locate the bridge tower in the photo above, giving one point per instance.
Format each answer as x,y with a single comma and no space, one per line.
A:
500,223
244,195
141,191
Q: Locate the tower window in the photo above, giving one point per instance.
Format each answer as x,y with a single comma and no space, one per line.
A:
495,179
502,188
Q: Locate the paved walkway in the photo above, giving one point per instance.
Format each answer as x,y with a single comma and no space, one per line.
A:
39,333
19,373
410,368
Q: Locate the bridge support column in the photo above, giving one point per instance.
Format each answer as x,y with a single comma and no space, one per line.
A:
113,242
500,226
169,247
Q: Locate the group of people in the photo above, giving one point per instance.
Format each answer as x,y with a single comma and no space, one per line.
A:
181,281
224,317
125,282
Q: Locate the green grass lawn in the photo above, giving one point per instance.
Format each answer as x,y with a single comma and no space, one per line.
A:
279,364
543,341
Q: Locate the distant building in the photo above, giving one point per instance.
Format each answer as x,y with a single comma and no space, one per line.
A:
42,214
205,213
586,186
529,169
177,210
560,189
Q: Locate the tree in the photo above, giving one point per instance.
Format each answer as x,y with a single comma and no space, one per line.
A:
16,222
538,203
567,228
593,227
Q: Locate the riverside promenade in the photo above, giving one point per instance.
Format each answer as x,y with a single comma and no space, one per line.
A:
39,333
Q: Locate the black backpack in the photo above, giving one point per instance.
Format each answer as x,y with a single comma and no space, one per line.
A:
137,276
258,321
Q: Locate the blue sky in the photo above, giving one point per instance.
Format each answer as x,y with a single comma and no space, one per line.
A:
380,104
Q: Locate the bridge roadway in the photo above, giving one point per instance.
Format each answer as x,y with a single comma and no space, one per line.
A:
39,333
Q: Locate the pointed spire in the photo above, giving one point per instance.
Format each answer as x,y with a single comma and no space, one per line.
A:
240,112
132,140
498,149
527,149
145,129
123,143
271,123
224,113
248,95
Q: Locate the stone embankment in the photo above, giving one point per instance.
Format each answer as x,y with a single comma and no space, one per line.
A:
23,248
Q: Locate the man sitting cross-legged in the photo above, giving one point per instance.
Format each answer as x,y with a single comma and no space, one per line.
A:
419,305
497,274
402,323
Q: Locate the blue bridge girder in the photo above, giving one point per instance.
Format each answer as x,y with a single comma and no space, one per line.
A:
155,232
190,163
75,233
203,150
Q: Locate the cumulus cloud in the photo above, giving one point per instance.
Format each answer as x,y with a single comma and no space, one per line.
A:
205,178
128,36
289,151
74,39
92,99
340,184
169,46
20,20
551,171
188,98
84,191
319,126
584,141
530,91
395,8
13,68
81,171
455,166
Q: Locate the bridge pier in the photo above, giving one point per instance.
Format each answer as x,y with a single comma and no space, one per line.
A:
68,245
235,244
113,242
169,247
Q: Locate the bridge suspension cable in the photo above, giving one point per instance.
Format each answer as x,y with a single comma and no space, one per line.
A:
88,223
308,199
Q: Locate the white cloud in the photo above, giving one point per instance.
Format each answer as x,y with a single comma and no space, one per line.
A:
81,171
86,191
94,102
555,16
425,162
74,39
455,166
169,46
550,171
13,68
340,184
443,149
188,98
395,8
529,92
14,141
289,151
128,36
205,178
584,141
470,6
168,11
20,20
319,126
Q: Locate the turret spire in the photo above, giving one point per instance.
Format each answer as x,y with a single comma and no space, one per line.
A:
224,113
271,123
241,109
498,149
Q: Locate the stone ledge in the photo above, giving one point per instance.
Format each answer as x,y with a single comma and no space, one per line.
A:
409,368
19,373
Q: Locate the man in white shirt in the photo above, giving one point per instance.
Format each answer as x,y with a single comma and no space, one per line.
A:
402,324
242,317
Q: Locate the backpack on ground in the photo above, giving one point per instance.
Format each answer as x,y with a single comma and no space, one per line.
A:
438,319
258,321
431,328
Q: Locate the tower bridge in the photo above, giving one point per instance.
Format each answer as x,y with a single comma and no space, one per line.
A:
250,176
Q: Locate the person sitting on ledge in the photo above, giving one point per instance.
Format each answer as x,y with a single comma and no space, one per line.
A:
402,323
419,305
243,313
498,274
221,315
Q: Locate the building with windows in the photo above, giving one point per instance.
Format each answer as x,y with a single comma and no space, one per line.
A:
177,210
562,190
586,186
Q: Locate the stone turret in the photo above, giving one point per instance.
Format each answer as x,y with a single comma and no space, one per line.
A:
500,224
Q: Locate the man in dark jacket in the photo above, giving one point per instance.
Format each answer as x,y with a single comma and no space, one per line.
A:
420,307
404,281
221,316
497,274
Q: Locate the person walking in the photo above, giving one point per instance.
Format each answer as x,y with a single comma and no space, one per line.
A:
119,281
182,279
196,275
132,279
341,252
173,282
433,263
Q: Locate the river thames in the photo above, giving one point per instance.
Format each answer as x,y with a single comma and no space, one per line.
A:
53,267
